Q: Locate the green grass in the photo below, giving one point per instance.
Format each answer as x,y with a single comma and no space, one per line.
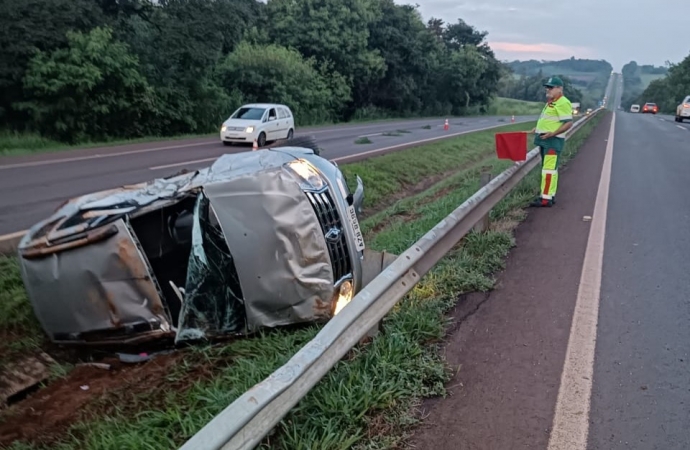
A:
362,140
20,332
366,401
508,106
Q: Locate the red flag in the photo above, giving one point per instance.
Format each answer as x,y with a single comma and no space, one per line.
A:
511,146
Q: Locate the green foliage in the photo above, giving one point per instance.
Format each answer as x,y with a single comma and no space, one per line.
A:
91,88
271,73
589,77
531,88
88,70
636,79
566,65
30,25
667,92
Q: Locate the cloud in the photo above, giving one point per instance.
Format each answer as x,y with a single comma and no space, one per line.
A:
539,50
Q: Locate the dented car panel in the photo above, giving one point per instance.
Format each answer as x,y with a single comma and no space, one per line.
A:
258,239
269,225
78,294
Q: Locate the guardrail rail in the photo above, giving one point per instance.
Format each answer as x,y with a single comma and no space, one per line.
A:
245,422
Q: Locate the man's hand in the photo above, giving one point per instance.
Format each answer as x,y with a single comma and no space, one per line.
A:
546,135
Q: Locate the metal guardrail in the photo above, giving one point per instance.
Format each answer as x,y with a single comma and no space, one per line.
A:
245,422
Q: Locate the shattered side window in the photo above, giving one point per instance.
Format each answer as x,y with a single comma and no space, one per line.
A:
213,302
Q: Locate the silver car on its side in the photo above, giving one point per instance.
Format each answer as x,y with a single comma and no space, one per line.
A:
259,239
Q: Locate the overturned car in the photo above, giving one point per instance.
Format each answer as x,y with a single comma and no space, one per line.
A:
258,239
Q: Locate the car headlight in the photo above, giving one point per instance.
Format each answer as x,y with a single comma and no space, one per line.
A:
223,128
249,130
311,179
344,296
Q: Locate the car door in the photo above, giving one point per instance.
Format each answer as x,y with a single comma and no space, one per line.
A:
273,125
284,122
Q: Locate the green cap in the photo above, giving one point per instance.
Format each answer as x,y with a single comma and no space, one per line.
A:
553,81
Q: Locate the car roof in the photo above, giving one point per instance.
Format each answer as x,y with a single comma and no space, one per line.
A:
263,105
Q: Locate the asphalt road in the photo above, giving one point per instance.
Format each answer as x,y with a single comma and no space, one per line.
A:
507,347
512,346
33,186
641,393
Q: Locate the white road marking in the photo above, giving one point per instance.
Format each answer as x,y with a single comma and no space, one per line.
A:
14,235
438,138
682,127
369,135
97,156
370,152
570,427
196,161
169,147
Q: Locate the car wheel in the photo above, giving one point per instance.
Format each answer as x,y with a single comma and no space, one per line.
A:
262,139
290,133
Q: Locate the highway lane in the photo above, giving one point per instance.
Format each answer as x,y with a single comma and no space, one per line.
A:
641,391
33,186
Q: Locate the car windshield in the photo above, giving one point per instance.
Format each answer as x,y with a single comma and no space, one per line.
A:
248,113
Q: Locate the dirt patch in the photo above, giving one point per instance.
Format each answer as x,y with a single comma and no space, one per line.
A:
88,392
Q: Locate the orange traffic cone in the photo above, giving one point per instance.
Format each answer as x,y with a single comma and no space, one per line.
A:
255,146
445,125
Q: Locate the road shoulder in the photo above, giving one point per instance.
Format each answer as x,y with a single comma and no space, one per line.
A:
509,345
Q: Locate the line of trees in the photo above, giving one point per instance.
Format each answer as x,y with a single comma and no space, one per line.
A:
667,92
78,70
531,88
633,85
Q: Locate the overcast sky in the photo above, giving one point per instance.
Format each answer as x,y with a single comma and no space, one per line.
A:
650,32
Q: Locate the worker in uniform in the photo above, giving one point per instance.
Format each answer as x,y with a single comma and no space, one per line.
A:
556,118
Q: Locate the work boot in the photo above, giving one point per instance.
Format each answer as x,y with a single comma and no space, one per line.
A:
541,202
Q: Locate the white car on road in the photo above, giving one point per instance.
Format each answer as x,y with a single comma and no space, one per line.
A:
683,110
635,108
264,122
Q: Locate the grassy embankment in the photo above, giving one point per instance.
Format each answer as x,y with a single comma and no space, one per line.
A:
367,400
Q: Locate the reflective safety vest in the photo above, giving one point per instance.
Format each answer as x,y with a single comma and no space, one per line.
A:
554,114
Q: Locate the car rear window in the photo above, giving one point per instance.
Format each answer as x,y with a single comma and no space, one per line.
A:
650,104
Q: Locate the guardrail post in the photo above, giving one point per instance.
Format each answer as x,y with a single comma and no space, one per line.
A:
483,224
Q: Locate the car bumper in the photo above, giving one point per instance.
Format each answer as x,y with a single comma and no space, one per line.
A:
236,136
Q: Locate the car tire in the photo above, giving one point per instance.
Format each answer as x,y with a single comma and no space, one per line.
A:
290,134
261,141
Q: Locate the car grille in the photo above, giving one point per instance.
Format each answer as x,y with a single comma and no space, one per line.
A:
234,129
332,228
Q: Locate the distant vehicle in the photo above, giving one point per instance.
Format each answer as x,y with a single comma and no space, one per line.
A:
576,108
589,111
265,122
635,108
650,108
683,110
